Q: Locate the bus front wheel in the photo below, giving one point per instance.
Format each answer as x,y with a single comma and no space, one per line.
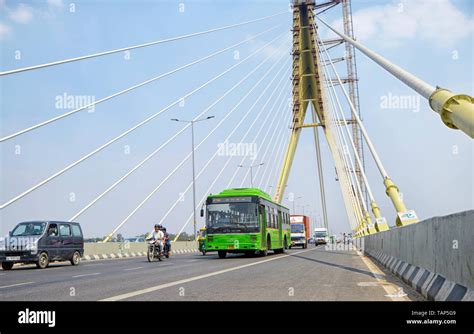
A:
222,254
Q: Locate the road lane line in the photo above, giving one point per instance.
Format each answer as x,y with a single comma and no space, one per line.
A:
93,274
393,291
10,286
133,268
195,278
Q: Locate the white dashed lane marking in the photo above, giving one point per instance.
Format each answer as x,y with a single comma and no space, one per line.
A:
133,268
83,275
13,285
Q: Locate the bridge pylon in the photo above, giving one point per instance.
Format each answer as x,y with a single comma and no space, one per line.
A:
306,79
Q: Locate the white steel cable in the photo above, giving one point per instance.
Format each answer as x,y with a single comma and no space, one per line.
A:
126,90
355,215
282,103
189,154
263,142
276,162
166,143
276,144
340,116
263,158
203,169
346,156
343,143
280,152
348,177
371,146
415,83
282,134
203,198
59,62
26,192
345,181
352,208
265,153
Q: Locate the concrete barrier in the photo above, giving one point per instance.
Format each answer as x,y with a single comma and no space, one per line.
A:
116,250
435,256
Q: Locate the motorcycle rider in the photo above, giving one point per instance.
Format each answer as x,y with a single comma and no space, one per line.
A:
167,240
157,237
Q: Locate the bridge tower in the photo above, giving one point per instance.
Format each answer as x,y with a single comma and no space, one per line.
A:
308,93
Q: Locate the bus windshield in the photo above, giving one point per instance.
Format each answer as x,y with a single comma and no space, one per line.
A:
297,228
321,234
232,218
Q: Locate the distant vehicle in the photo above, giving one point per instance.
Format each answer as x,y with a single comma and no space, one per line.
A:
135,239
42,242
246,220
202,240
321,235
300,230
311,241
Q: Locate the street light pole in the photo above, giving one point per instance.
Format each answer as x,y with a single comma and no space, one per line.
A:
193,165
294,200
251,172
194,180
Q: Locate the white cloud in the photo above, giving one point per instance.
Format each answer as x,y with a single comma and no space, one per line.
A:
21,14
4,30
58,4
435,21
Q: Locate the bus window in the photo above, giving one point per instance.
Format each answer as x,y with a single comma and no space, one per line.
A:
269,217
262,215
274,218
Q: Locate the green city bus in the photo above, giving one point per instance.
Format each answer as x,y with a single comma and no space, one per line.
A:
246,220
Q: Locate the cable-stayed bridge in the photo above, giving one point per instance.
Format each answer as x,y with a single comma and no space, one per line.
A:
290,82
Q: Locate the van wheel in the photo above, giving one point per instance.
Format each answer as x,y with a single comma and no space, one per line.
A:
43,261
7,265
222,254
76,258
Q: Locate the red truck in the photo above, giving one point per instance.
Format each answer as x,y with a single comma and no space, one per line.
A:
300,230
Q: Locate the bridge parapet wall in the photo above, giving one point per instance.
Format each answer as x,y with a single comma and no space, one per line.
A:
435,255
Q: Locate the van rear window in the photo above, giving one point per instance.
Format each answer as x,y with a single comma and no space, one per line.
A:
76,231
64,230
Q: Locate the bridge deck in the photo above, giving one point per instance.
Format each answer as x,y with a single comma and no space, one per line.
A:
313,274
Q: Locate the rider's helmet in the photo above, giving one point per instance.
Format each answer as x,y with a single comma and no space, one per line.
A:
159,226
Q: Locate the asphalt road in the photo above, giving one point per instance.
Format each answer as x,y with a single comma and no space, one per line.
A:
313,274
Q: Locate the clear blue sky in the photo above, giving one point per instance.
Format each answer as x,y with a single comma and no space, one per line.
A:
417,149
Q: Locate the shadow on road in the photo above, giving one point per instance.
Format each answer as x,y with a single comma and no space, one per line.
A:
340,266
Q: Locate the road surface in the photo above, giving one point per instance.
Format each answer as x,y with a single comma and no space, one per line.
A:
313,274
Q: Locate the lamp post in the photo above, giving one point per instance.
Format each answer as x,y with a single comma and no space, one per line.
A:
304,206
294,200
251,173
192,152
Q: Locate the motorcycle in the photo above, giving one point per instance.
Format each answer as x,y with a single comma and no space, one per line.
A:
154,251
202,246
